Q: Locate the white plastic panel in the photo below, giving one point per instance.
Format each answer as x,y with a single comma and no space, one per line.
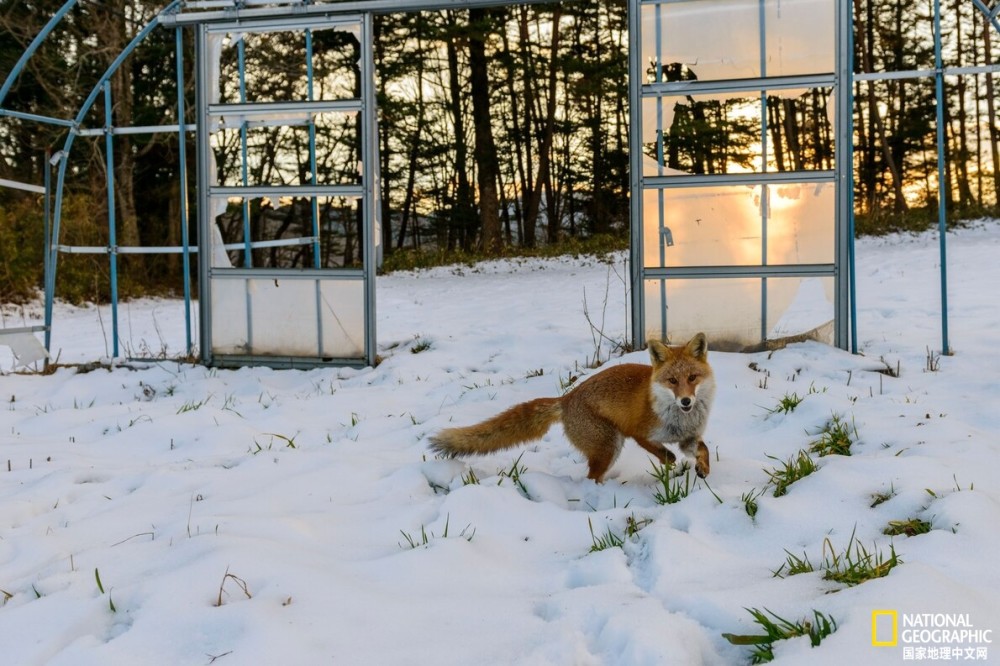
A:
342,313
283,316
797,308
230,334
288,317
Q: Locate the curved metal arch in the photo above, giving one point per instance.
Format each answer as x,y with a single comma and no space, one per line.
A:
52,250
32,47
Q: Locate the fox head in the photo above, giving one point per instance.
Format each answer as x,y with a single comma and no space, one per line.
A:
682,372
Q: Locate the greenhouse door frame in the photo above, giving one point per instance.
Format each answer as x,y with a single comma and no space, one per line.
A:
211,17
259,286
841,268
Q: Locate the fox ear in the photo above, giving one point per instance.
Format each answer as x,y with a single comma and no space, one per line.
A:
658,352
698,346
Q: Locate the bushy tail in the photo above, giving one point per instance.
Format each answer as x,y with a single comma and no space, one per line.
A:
519,424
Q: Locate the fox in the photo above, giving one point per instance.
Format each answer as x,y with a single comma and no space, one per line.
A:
667,401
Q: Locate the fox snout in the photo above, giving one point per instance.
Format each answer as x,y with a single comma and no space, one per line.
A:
686,404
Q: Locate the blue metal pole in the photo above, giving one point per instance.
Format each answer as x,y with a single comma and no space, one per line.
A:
241,56
247,251
764,188
46,264
112,239
660,159
846,90
942,184
182,156
37,118
637,263
314,202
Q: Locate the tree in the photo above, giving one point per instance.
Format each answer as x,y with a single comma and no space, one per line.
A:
485,151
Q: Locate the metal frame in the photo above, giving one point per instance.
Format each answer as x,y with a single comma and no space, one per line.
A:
207,113
841,177
181,14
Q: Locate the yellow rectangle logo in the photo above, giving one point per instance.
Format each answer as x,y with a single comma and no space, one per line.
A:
893,637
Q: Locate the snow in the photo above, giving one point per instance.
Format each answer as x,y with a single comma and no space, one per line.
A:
181,485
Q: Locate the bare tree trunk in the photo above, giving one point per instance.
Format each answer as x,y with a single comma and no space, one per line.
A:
877,124
962,157
527,166
543,179
414,157
485,151
459,228
385,174
776,123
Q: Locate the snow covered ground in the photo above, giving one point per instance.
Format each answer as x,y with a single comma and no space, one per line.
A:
172,514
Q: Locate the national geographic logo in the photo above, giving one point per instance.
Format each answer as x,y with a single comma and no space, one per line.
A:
887,637
933,636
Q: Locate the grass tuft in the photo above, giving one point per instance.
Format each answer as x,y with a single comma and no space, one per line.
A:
425,537
787,404
796,467
910,527
608,540
855,565
193,405
750,501
835,438
514,474
780,629
672,489
883,497
420,345
793,565
633,526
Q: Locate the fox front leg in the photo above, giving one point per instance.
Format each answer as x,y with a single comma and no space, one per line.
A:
696,449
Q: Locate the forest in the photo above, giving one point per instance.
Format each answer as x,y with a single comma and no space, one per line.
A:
500,131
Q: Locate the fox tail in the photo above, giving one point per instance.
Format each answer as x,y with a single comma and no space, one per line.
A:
519,424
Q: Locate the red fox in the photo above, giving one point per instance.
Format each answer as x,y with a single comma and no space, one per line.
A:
668,402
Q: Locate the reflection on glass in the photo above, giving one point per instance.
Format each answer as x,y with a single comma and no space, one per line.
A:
290,219
279,154
724,225
275,70
721,39
729,311
722,134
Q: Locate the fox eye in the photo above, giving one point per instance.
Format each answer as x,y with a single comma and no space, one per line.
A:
691,378
673,380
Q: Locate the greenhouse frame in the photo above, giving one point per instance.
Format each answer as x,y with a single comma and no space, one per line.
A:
755,254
